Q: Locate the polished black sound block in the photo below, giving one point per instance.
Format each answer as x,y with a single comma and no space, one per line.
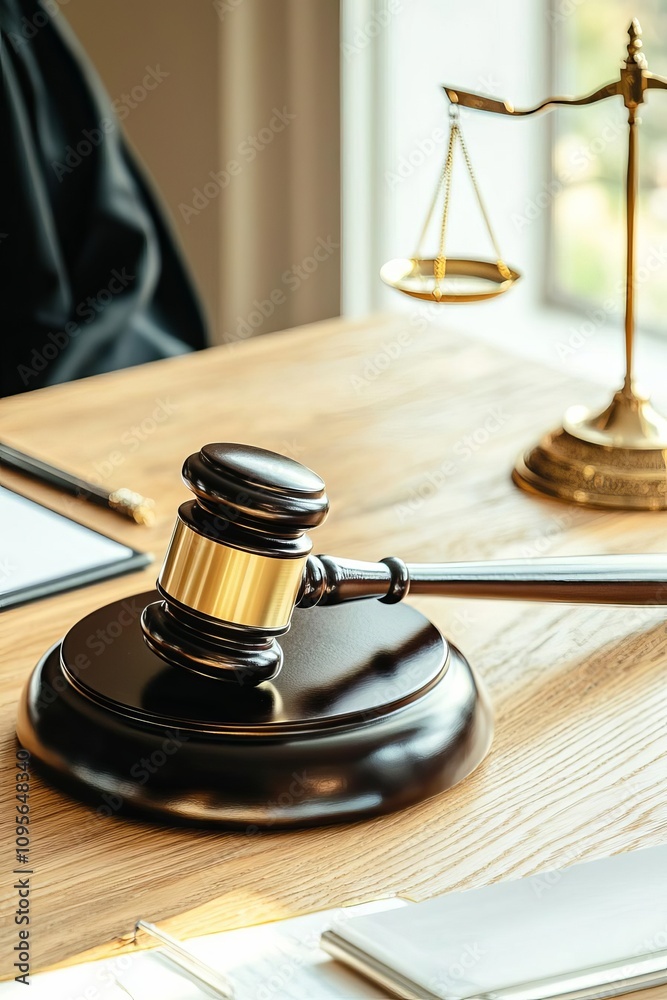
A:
372,711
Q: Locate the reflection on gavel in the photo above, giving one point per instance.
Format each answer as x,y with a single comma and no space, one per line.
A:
240,561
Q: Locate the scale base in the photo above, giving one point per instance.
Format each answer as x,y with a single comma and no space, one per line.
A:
615,458
373,711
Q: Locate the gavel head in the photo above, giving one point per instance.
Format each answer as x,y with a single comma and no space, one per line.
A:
234,567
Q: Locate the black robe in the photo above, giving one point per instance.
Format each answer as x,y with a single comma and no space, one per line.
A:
90,278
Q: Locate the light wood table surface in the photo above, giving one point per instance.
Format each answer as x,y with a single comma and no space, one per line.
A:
414,431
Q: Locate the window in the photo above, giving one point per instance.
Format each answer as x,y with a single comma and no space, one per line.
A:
587,235
396,54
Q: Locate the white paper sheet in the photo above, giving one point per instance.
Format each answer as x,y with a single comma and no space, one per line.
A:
38,545
280,961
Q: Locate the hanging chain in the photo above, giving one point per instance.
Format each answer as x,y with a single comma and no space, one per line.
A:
440,265
502,266
445,182
434,202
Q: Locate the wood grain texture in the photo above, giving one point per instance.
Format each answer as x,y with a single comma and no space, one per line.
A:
415,432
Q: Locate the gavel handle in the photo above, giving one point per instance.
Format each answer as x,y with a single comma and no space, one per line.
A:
621,579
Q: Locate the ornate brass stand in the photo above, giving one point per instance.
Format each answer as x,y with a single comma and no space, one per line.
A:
618,457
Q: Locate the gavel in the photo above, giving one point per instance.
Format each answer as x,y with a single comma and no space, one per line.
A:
240,561
193,712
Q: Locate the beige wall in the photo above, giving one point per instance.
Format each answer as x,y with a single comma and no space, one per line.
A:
229,65
172,138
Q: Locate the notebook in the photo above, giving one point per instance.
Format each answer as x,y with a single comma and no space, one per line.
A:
43,552
590,931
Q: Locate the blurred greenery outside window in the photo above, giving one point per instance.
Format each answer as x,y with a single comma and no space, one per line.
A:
587,189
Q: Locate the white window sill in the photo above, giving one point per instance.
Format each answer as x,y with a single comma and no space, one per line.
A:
568,341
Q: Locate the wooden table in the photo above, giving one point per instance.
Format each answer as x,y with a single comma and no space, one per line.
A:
415,432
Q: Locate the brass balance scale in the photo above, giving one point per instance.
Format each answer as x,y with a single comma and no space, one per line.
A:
613,458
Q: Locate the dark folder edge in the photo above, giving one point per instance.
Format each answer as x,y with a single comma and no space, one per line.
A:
82,578
73,581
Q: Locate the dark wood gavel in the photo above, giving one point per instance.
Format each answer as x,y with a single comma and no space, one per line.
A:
240,561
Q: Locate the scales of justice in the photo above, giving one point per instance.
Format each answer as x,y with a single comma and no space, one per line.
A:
264,687
613,458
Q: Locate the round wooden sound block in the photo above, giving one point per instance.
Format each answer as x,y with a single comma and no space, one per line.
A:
372,711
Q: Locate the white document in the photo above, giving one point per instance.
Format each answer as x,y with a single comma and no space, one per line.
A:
561,927
39,547
279,961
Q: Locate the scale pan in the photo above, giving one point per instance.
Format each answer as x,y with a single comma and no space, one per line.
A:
465,280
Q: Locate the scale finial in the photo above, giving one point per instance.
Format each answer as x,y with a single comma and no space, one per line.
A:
635,54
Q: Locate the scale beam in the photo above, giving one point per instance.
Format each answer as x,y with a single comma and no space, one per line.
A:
633,82
478,102
655,82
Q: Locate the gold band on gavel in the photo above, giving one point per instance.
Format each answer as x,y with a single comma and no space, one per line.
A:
230,584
